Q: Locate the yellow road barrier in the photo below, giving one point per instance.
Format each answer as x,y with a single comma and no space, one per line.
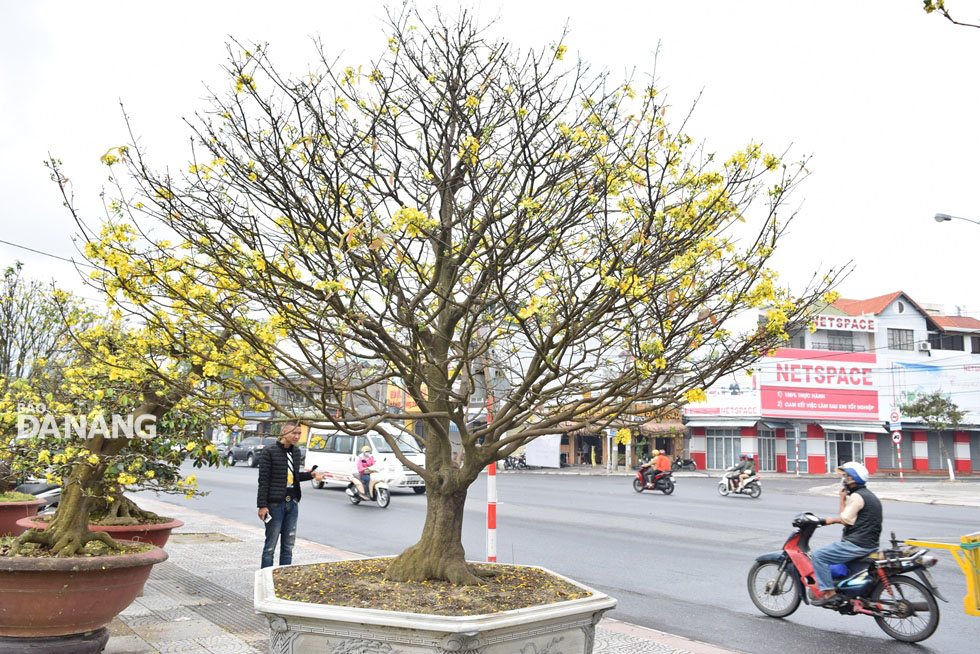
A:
967,554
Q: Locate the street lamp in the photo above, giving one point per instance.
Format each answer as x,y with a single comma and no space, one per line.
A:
945,217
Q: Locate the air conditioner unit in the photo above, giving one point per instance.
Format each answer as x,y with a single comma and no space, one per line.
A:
924,346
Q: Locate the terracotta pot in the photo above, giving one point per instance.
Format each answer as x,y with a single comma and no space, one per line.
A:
154,534
11,512
55,597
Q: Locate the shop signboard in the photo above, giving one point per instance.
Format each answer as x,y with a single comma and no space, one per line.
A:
815,384
867,324
735,395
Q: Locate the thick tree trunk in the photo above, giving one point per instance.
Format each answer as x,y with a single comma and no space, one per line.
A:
68,533
439,553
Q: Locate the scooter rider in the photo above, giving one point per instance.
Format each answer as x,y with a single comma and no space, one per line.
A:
736,472
661,462
748,469
649,468
364,463
861,515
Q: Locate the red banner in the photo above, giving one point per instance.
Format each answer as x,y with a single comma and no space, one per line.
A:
813,384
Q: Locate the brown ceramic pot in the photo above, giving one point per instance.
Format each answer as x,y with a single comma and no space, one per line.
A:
11,512
55,597
154,534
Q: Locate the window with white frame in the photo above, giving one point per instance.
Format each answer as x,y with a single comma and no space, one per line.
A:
901,339
723,447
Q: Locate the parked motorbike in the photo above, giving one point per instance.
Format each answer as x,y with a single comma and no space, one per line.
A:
378,492
729,485
683,464
877,585
662,481
50,493
515,463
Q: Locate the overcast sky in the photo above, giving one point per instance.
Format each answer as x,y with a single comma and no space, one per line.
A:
882,96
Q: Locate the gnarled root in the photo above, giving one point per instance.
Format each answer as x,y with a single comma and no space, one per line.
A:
121,511
63,545
419,563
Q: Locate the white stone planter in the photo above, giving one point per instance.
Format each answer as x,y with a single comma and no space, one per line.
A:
300,628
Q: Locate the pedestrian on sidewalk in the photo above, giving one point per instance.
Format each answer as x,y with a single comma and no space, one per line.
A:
279,494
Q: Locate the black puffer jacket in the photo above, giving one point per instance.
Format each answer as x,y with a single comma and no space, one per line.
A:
273,467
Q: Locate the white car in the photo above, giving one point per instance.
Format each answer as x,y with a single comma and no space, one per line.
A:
334,453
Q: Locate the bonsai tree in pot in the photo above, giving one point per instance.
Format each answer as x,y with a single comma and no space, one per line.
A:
471,223
98,435
95,434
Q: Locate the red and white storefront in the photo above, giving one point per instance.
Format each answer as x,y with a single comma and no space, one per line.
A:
814,408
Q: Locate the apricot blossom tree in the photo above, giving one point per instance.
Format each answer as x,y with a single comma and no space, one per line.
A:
456,210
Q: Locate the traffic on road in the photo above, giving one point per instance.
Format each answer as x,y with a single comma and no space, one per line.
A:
677,563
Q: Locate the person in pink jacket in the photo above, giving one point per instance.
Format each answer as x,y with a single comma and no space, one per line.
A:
364,463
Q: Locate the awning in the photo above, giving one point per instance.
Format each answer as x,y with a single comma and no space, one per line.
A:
718,422
775,424
663,428
863,427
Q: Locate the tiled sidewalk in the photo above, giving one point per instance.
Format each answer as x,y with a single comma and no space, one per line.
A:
200,600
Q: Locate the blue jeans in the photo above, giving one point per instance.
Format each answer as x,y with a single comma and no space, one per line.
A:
840,552
282,528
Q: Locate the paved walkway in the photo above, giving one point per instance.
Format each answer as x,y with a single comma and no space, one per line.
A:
200,600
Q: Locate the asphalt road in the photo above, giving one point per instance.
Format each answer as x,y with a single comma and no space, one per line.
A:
677,563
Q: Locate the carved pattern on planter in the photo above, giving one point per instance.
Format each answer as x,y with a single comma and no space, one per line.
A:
463,643
278,624
359,635
281,642
531,648
541,631
589,632
363,646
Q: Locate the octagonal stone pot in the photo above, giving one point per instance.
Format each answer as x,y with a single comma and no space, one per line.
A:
301,628
154,534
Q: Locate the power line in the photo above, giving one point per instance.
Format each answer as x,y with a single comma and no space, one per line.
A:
47,254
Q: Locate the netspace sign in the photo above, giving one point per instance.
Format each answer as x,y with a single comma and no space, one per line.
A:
846,323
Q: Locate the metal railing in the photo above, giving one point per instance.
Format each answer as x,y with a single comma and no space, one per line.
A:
839,347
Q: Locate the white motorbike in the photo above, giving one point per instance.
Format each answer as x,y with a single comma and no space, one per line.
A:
729,484
378,492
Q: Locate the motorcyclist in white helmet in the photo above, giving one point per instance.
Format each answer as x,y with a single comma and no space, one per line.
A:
861,515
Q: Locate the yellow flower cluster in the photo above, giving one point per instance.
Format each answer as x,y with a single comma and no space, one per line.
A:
414,222
469,150
696,395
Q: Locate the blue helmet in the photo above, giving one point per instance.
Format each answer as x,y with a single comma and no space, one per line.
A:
856,471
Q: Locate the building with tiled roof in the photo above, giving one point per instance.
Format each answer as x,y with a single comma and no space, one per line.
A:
835,394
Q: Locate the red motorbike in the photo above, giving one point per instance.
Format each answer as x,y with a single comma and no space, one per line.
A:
876,585
662,481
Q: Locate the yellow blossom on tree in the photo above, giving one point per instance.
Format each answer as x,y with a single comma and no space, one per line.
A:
696,395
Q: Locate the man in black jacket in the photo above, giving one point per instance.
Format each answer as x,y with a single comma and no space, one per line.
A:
278,497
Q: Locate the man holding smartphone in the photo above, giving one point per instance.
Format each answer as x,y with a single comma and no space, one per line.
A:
279,495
